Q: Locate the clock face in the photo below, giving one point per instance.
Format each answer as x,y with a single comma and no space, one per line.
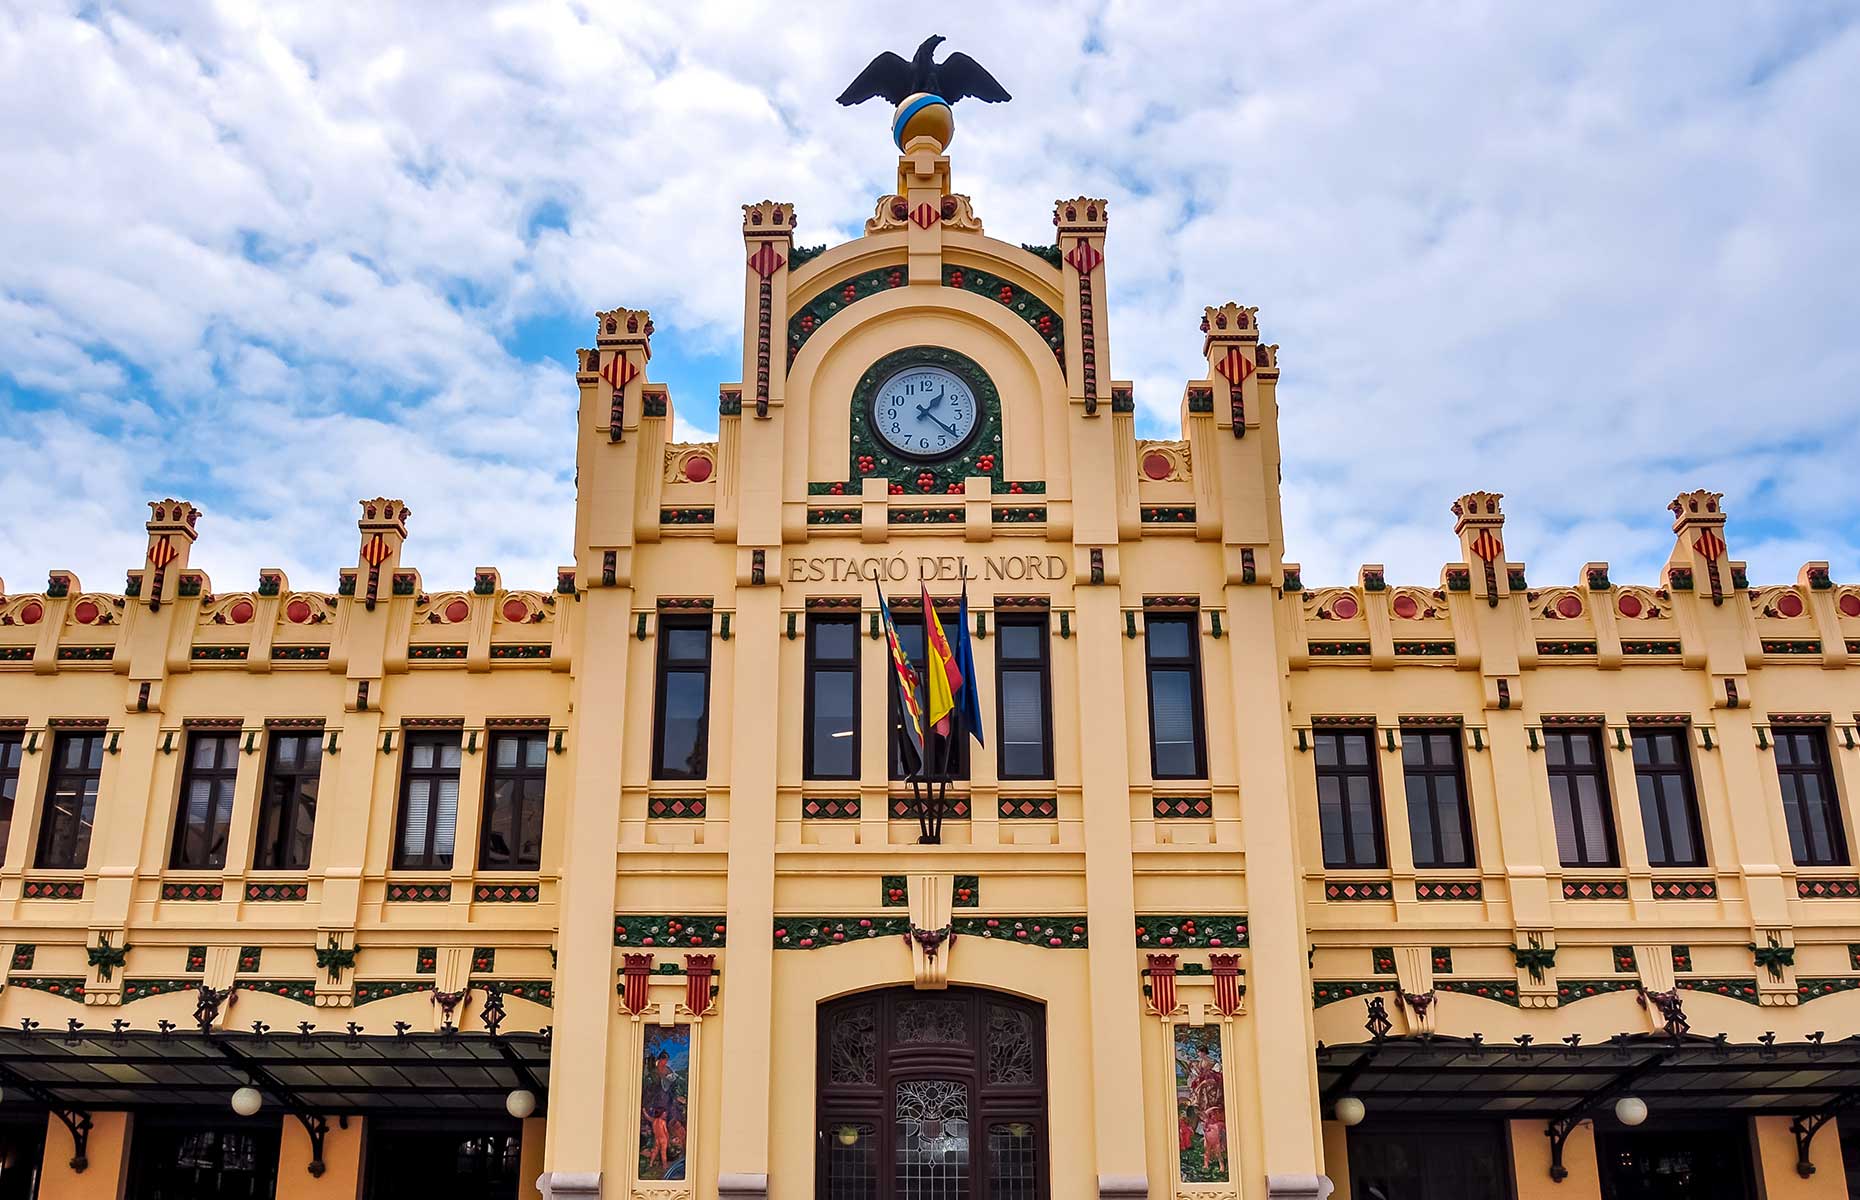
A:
924,412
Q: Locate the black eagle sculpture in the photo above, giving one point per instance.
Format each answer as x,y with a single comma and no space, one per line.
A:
893,79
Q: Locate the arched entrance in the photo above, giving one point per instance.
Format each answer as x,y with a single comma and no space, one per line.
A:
931,1096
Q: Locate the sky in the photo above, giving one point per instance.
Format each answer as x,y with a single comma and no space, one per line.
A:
275,258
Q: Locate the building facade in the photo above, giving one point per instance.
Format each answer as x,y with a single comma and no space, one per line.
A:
1256,887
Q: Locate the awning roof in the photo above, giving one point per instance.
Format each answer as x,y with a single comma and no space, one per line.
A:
411,1074
1449,1076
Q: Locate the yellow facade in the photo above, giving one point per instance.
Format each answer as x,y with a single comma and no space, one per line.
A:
782,885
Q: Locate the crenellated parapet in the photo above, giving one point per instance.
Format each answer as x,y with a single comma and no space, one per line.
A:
1681,618
170,618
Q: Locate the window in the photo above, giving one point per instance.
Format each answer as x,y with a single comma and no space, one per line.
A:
911,637
429,802
830,722
1809,803
1439,825
287,807
1172,649
1669,810
9,784
513,802
1023,700
1349,800
681,740
70,800
1585,831
205,813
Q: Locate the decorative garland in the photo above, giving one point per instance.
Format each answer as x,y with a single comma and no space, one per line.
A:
1182,933
1052,933
812,933
668,931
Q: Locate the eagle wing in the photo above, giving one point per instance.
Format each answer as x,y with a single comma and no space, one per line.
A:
887,76
962,76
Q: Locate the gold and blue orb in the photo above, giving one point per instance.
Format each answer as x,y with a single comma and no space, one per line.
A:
923,115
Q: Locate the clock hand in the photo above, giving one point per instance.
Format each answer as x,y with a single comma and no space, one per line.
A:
923,410
945,428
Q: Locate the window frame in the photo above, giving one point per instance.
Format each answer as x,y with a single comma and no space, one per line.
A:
439,739
1431,773
812,667
1682,769
287,806
1840,854
1043,667
1343,771
663,668
519,774
191,773
56,775
1569,769
12,764
1152,663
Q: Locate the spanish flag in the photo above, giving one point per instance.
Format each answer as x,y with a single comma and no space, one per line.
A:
942,676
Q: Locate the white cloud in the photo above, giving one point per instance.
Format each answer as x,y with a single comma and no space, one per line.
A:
1582,255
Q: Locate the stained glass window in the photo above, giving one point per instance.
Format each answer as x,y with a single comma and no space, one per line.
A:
1010,1045
852,1051
932,1120
936,1020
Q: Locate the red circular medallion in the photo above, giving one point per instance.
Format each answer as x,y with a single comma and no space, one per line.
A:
1628,605
697,468
516,610
85,612
297,612
1568,606
1789,604
1850,605
1344,608
240,612
1405,607
457,611
1156,465
31,612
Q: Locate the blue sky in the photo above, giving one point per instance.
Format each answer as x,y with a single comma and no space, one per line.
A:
276,259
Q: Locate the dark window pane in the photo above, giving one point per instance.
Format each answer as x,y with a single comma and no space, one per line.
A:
1349,817
10,748
831,716
511,831
682,745
429,804
1579,798
203,818
1177,749
70,800
287,802
1811,806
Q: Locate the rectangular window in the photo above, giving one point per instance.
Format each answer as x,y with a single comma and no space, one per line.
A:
1439,825
10,745
287,806
1669,810
911,637
204,817
681,740
1585,829
70,800
513,802
429,802
830,720
1172,651
1349,798
1023,699
1810,805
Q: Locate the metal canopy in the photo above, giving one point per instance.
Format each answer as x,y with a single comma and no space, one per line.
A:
1451,1076
407,1074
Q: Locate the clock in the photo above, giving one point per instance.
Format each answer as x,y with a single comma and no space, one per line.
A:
924,412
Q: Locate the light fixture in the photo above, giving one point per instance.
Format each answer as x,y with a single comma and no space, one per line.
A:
847,1135
1630,1110
247,1101
520,1103
1349,1110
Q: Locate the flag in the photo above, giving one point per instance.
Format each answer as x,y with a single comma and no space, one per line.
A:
904,683
942,676
965,662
